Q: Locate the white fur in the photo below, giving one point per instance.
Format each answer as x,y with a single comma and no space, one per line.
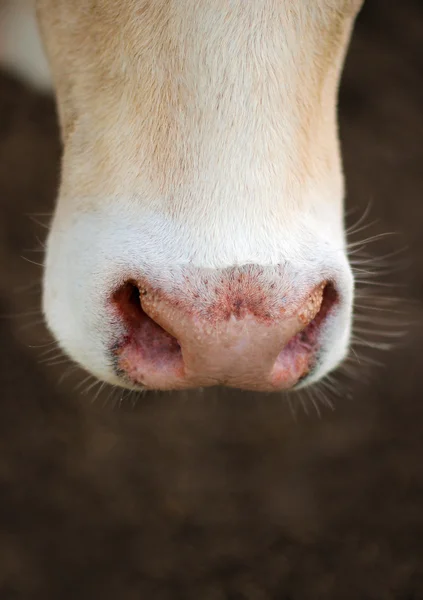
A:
146,243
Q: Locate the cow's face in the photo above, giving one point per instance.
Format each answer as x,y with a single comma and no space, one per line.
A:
198,237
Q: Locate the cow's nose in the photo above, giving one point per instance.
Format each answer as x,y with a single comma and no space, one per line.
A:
240,339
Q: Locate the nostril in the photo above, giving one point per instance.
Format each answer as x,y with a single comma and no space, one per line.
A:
127,300
300,353
329,297
310,334
155,347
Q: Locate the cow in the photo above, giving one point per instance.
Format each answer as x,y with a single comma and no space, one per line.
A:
198,237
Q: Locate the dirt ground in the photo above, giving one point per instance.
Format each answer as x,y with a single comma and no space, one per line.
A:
222,495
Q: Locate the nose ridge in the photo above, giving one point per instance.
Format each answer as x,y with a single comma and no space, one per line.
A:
235,352
238,348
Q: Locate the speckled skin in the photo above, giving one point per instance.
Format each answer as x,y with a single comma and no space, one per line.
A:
222,330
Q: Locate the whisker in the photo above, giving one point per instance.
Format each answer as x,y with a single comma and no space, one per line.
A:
51,349
115,394
83,382
100,389
37,346
55,363
361,219
313,401
35,250
381,284
32,262
375,260
50,359
38,222
323,398
71,369
31,325
91,386
372,239
377,345
350,231
391,334
333,389
303,403
292,409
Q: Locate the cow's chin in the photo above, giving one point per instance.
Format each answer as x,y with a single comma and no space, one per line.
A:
144,302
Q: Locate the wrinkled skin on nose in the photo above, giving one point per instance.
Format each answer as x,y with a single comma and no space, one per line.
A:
241,340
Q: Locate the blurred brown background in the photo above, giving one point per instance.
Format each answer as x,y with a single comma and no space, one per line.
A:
223,495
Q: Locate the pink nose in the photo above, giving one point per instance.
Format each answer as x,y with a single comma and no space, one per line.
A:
239,336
